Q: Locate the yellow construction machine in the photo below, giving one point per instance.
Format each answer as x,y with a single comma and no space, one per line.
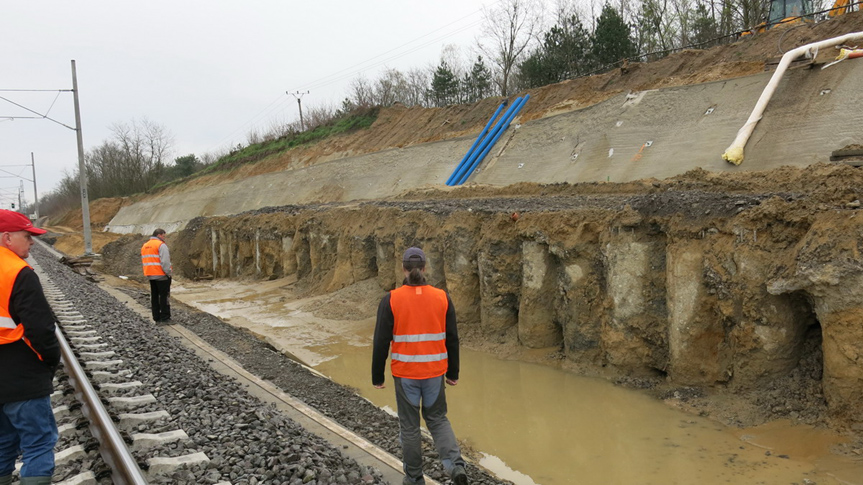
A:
785,13
841,7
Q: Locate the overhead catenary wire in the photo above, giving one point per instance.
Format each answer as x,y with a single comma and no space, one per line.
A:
281,103
38,114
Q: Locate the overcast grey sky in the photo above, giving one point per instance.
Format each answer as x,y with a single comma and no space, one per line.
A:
209,71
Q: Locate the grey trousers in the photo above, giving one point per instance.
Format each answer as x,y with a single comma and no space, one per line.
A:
410,394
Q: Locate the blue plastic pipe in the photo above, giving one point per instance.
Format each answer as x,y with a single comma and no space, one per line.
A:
476,142
505,121
491,134
461,170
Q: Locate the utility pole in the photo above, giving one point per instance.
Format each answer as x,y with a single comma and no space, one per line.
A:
299,97
20,191
35,195
82,172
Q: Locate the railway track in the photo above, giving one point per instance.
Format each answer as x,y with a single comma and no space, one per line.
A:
100,407
134,406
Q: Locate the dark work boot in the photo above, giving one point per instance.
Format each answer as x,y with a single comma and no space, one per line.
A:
35,481
459,477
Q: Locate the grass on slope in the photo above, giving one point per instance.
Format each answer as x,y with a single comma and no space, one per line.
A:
258,151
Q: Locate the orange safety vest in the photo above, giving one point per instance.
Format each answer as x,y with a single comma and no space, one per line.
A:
419,332
150,258
10,265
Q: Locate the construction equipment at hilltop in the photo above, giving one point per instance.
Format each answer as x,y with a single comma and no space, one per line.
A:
841,7
785,13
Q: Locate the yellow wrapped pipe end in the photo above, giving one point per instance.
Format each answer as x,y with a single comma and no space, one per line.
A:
733,155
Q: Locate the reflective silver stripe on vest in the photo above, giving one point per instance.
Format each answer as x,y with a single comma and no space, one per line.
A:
6,322
152,264
419,358
422,337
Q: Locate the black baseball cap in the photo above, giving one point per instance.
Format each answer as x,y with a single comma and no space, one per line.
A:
413,255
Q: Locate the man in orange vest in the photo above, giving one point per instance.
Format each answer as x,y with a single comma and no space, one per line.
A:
29,355
419,321
156,260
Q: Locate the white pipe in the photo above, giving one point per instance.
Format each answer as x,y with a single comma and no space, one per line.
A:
734,153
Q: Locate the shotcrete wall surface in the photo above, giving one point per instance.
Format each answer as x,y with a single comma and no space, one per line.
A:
648,134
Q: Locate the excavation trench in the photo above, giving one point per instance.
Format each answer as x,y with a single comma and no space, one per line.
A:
532,423
737,298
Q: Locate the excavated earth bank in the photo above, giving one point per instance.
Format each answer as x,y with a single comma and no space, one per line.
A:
734,296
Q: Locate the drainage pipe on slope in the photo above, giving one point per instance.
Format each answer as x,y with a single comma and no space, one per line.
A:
734,153
461,171
475,143
516,108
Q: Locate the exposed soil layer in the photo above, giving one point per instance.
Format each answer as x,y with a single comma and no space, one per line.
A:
767,264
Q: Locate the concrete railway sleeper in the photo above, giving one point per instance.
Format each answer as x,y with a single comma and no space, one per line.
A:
92,448
181,421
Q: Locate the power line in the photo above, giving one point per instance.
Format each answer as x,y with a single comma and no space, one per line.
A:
40,115
280,103
32,90
338,74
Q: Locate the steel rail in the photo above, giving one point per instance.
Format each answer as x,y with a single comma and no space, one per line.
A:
124,468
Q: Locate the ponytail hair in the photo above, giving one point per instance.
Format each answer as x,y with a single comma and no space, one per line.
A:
415,272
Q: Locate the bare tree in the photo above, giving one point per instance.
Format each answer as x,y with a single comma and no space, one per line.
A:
509,29
319,116
417,83
132,161
679,29
362,93
389,88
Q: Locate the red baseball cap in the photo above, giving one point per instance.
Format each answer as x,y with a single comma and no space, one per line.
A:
11,221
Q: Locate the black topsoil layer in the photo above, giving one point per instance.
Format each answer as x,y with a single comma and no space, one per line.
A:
247,441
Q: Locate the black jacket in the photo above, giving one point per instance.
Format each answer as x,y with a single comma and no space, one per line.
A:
22,375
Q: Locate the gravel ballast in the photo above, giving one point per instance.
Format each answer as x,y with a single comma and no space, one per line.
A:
246,440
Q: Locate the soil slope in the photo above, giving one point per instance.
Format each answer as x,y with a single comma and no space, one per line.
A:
399,127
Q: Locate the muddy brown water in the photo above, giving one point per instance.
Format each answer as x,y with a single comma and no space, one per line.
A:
533,424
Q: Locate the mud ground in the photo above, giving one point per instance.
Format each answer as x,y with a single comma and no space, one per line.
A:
338,402
796,397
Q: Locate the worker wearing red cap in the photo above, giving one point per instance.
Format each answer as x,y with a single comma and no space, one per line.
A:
29,355
419,320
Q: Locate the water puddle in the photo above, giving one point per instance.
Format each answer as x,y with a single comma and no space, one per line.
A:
533,424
